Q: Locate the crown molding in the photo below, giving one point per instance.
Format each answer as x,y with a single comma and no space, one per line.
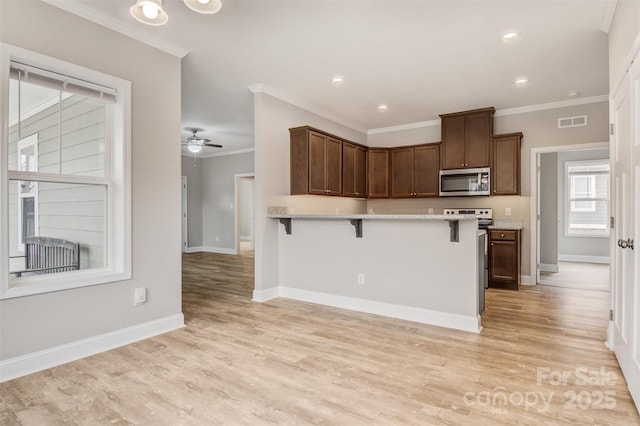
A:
262,88
499,113
608,17
418,125
552,105
79,9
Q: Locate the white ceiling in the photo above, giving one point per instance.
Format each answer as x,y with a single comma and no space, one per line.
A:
421,58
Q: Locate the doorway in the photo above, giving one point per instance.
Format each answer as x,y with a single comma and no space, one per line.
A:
565,243
185,217
244,194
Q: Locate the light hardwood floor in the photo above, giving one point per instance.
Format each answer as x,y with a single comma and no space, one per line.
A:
286,362
588,276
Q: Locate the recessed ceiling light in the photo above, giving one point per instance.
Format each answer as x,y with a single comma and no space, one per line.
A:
511,35
382,107
337,80
521,82
573,93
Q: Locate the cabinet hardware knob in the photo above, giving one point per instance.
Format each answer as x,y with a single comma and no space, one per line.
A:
502,235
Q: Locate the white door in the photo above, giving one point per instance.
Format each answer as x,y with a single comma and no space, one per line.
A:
537,271
625,328
185,227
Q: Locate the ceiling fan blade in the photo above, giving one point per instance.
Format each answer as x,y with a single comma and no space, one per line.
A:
215,145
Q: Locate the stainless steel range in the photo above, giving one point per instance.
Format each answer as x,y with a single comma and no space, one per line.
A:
485,219
485,216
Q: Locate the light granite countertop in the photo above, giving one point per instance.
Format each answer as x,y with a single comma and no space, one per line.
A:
375,216
507,224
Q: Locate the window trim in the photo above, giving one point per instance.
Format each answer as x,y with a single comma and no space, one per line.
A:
118,166
31,140
567,199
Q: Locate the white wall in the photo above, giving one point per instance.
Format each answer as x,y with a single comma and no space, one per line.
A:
245,208
192,169
548,190
273,119
218,199
34,323
583,247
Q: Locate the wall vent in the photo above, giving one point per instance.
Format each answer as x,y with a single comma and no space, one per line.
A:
578,121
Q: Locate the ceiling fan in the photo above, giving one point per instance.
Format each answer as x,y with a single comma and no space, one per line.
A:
194,143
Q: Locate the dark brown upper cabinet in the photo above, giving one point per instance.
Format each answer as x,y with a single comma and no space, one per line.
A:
378,172
316,162
354,170
505,178
466,139
414,171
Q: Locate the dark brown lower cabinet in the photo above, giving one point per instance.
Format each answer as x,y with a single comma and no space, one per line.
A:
504,259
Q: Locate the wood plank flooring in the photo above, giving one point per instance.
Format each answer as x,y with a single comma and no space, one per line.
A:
287,362
587,276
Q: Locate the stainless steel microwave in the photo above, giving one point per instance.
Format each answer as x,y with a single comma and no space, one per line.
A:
465,182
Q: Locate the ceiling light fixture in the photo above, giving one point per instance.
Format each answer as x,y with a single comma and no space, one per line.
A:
511,35
382,107
194,148
204,6
150,12
521,81
573,93
337,80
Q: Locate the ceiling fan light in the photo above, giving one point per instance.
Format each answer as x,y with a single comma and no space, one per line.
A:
194,148
149,12
204,6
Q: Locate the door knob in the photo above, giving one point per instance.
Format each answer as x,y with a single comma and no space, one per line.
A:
623,244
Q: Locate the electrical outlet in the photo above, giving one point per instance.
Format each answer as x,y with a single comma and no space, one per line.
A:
217,238
360,278
139,296
507,211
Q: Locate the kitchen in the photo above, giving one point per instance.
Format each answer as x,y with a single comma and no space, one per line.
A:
274,276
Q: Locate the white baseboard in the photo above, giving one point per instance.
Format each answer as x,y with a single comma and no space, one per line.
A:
37,361
408,313
264,295
526,280
207,249
548,267
584,259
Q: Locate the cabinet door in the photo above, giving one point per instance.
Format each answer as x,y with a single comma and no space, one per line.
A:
503,258
478,131
361,172
506,165
378,174
402,173
453,151
426,168
333,166
317,166
354,171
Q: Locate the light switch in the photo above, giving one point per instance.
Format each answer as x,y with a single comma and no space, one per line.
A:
507,211
139,296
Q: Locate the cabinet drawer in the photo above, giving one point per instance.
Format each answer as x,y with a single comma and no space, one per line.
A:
502,235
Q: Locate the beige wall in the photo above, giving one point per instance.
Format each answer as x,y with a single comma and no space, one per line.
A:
34,323
548,190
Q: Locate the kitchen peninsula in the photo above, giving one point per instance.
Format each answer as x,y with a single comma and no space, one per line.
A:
421,268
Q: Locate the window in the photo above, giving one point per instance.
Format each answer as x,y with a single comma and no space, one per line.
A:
587,198
64,160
